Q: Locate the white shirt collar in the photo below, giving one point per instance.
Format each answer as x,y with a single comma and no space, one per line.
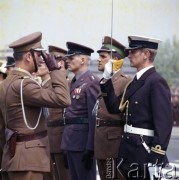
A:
142,71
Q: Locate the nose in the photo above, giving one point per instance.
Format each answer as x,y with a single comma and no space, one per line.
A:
129,54
99,59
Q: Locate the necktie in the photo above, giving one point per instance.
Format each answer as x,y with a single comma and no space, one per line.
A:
74,79
135,79
45,112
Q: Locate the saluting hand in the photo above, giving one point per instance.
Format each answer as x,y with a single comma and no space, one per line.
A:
50,61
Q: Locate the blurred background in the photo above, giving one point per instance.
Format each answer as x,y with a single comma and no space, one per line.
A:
88,21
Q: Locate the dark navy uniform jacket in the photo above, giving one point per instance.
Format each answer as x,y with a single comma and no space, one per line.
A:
150,108
84,92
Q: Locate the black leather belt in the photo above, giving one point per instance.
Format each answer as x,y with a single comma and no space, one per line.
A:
30,137
76,120
55,123
110,123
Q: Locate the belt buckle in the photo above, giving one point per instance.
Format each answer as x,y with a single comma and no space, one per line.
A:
97,122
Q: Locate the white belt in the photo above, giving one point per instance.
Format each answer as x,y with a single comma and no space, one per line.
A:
140,131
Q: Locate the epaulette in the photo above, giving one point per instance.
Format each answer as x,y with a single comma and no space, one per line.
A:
25,77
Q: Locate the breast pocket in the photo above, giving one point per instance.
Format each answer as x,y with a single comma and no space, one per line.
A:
114,135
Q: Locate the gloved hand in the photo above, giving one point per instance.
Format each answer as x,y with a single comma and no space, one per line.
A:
154,171
117,64
65,160
107,74
50,61
87,159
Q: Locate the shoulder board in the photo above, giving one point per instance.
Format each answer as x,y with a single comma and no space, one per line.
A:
26,77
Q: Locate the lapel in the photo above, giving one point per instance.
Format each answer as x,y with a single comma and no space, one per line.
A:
133,87
79,81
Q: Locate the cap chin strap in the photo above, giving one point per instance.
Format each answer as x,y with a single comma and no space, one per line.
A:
34,60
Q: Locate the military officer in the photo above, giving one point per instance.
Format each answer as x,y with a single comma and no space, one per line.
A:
146,108
55,124
109,127
78,135
26,152
10,64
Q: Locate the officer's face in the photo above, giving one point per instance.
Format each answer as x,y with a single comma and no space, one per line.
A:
38,57
102,60
74,63
42,69
137,58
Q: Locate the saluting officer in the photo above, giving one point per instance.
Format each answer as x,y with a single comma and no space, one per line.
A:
26,152
55,124
78,135
146,108
109,127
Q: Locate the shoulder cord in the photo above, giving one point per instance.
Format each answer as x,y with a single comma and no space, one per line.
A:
125,104
23,110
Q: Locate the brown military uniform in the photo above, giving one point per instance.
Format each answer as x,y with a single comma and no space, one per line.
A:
32,155
109,127
26,152
107,138
55,129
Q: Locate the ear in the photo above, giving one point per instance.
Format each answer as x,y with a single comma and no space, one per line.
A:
61,64
28,57
82,60
115,58
146,54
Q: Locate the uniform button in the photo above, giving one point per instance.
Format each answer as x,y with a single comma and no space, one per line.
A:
129,114
124,114
127,137
136,102
122,136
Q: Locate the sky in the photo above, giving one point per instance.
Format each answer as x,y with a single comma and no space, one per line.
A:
87,21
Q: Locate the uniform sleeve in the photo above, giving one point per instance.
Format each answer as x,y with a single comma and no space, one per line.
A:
111,100
162,120
92,94
2,135
57,96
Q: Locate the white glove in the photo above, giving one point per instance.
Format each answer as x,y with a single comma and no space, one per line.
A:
154,171
107,74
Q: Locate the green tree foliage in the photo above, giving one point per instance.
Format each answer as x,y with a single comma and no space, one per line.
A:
167,61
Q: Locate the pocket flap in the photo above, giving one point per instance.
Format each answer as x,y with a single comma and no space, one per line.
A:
114,135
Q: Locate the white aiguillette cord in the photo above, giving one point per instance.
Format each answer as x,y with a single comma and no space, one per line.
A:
22,104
